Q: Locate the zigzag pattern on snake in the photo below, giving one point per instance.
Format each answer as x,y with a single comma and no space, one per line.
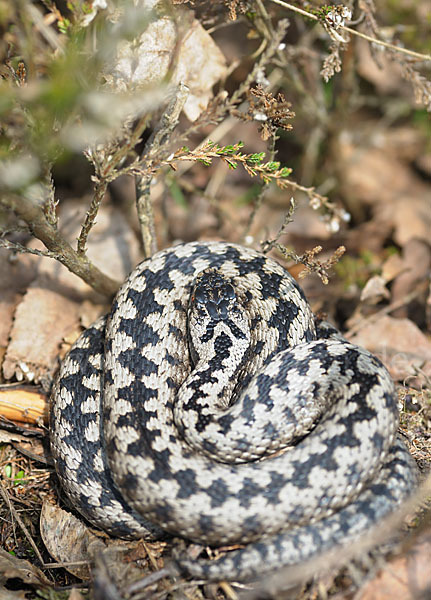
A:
303,457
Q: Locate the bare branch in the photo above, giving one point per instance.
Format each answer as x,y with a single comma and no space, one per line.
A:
288,218
312,16
50,205
15,247
90,217
155,145
311,264
264,188
33,214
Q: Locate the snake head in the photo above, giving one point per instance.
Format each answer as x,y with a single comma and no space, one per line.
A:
214,295
215,311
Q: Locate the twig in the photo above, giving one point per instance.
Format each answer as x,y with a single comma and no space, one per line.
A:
288,218
373,40
50,204
354,32
266,55
108,158
334,214
15,247
57,246
54,40
263,189
20,522
151,579
65,565
311,264
106,162
90,217
160,137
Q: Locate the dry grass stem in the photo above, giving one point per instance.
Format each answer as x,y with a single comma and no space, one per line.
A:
310,15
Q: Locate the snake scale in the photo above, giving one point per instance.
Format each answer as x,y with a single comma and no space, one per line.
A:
302,456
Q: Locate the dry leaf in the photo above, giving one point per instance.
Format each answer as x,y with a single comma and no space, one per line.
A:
375,290
67,539
42,319
399,343
417,264
147,59
386,75
15,276
378,175
12,567
6,594
423,162
8,437
411,215
200,65
75,595
392,267
183,46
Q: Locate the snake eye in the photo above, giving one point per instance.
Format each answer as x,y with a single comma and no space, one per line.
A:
199,296
229,292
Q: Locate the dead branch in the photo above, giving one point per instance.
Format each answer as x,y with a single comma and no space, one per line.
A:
155,145
34,215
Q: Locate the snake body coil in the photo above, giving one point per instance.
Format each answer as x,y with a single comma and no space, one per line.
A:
305,456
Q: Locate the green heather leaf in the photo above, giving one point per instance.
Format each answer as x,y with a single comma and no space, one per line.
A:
231,164
230,149
272,166
256,158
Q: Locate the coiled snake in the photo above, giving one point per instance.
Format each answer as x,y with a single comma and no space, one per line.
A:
303,455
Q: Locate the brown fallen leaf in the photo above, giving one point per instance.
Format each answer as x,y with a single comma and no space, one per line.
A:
82,552
200,64
423,162
15,276
75,595
375,290
67,539
417,264
184,47
12,567
411,215
399,343
378,175
371,176
6,594
42,319
9,437
392,267
383,73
